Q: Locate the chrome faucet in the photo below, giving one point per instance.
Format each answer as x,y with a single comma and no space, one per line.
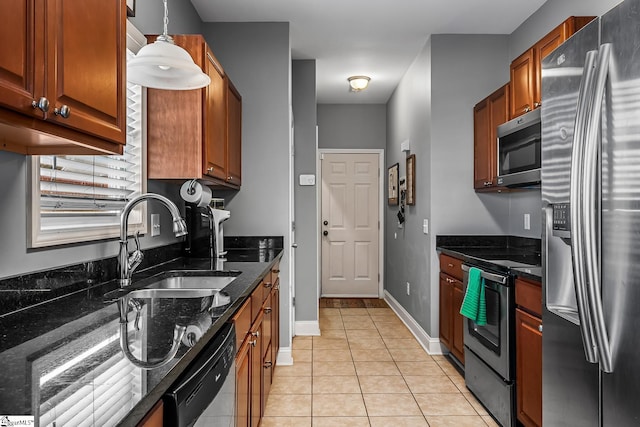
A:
128,263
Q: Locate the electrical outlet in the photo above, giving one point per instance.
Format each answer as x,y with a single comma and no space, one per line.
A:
155,225
408,288
527,222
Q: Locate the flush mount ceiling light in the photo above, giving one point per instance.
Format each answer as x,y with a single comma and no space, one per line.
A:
163,65
358,83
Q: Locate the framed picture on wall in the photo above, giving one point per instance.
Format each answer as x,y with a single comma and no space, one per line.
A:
393,184
411,179
131,7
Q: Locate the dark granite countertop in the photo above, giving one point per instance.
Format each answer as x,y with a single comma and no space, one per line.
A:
60,351
519,256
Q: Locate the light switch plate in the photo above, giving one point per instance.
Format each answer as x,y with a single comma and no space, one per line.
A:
425,226
307,180
155,225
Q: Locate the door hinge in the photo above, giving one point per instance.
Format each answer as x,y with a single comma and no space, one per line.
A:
378,277
293,301
321,156
293,226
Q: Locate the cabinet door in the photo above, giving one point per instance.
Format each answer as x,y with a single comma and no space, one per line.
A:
457,345
234,135
17,57
85,66
523,84
256,371
275,321
215,125
544,47
481,145
446,298
243,385
529,368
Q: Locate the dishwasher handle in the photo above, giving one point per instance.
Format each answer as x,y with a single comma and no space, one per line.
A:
498,278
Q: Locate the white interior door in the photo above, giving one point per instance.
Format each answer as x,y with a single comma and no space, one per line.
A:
350,224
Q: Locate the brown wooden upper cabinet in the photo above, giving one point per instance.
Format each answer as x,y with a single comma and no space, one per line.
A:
62,76
196,133
487,115
526,69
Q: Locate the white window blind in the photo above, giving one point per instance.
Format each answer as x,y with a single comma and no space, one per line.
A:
79,198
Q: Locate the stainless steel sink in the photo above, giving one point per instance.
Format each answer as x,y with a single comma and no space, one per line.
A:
175,293
184,283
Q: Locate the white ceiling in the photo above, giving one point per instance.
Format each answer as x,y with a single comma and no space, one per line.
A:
378,38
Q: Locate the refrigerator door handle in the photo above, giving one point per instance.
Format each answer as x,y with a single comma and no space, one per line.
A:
577,208
590,191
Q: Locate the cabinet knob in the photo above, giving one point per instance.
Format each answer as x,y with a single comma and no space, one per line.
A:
268,364
325,233
256,334
267,310
540,328
276,270
325,222
210,169
527,109
253,343
228,178
450,265
537,104
42,104
268,284
63,111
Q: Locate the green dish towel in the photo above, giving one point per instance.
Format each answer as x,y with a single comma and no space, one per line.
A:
474,305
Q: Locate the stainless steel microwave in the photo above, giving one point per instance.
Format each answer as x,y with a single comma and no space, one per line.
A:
519,142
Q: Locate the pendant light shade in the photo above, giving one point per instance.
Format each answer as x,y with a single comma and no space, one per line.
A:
163,65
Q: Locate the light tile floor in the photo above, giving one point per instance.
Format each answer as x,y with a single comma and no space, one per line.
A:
367,369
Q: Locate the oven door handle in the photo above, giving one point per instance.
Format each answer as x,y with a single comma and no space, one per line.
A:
489,276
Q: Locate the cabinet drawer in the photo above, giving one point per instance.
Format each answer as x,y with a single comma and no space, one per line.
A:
242,321
529,296
450,265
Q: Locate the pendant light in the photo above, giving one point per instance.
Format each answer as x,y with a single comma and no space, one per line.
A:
163,65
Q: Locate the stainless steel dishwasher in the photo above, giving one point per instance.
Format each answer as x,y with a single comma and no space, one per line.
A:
204,395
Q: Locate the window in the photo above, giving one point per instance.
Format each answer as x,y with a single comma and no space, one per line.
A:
79,198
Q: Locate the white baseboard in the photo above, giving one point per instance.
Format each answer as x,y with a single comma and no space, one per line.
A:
309,328
284,357
431,345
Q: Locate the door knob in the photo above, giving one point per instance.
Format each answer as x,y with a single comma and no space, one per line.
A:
326,222
325,233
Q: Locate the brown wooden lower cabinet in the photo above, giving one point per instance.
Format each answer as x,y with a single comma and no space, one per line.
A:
255,361
529,368
451,296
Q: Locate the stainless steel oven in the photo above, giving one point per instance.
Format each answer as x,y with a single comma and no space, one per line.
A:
489,349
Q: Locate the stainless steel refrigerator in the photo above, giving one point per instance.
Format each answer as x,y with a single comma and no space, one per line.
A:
591,224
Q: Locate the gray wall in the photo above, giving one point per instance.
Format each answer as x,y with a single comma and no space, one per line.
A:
15,259
352,126
256,56
432,107
305,120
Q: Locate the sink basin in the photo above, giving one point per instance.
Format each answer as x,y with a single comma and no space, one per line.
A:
174,293
191,283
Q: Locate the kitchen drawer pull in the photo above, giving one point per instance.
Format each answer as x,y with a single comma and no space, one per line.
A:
540,328
450,265
228,178
276,271
42,104
268,285
527,109
253,343
256,334
268,364
537,104
267,310
210,169
63,111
